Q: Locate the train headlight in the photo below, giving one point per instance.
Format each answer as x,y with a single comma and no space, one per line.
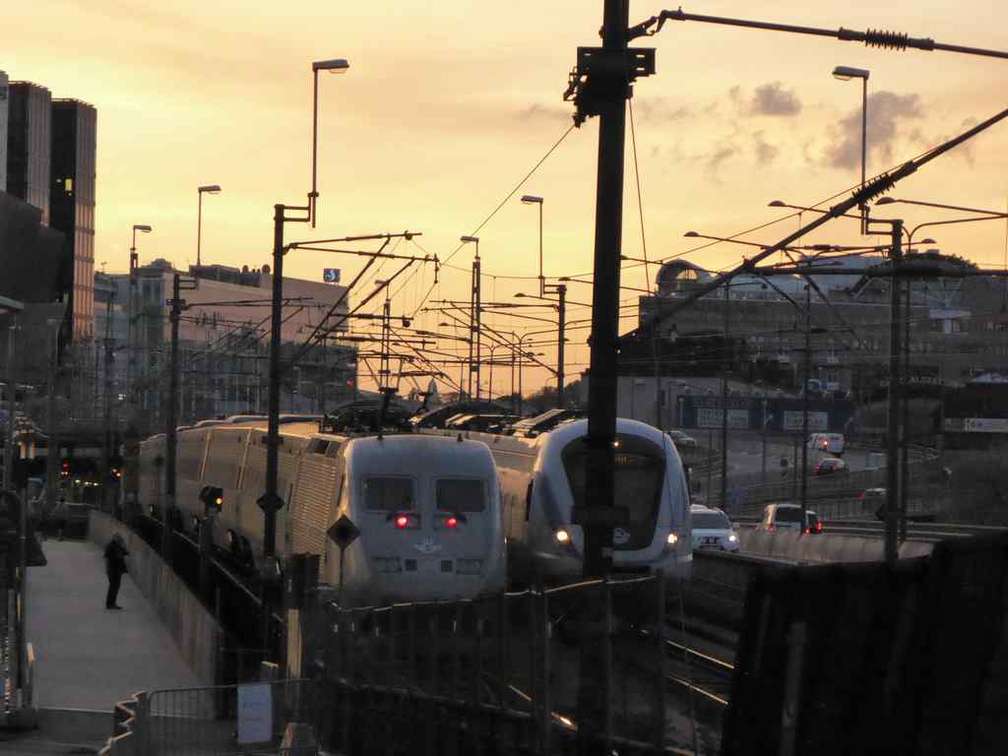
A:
733,538
672,539
562,537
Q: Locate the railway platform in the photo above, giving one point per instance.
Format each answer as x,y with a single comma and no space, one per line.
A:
86,657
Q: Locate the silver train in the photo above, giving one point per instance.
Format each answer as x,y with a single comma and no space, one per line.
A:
428,509
542,477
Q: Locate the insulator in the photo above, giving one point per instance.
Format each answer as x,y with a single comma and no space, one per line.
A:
886,39
874,188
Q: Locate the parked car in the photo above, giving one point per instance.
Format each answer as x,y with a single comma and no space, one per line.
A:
827,442
873,501
681,440
789,516
830,466
712,529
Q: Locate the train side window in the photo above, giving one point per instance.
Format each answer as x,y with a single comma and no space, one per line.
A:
528,501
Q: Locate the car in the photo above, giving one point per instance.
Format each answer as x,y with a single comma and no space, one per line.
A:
830,466
680,439
873,501
827,442
712,529
789,517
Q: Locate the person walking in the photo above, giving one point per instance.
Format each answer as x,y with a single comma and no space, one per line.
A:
115,566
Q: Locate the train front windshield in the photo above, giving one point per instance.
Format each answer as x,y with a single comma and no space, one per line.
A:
640,470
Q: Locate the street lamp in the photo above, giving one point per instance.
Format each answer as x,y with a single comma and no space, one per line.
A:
206,189
531,199
336,66
270,501
846,73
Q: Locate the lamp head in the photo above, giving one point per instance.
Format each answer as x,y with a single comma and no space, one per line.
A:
928,240
336,65
777,203
467,239
531,199
886,201
520,294
846,73
691,234
142,228
210,189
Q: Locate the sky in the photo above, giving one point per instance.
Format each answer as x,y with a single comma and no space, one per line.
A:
449,104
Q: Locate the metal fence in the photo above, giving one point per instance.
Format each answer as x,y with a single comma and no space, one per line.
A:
500,675
227,720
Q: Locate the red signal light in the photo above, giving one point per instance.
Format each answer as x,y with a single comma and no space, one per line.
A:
402,522
451,522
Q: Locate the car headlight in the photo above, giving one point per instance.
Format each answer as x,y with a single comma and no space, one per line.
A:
672,539
733,538
562,537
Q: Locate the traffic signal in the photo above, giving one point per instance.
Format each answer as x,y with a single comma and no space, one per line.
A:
65,468
212,498
115,473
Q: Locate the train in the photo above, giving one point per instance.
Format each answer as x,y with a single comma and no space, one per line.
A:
427,510
542,477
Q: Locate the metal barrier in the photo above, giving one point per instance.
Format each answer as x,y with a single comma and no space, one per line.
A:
494,675
226,720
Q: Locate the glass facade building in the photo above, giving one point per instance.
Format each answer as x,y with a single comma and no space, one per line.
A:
72,203
29,141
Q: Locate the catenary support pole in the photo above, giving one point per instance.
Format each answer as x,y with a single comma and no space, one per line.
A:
596,514
892,415
726,367
171,424
806,375
562,328
905,402
270,500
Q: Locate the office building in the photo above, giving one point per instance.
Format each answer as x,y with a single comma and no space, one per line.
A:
29,144
72,207
3,130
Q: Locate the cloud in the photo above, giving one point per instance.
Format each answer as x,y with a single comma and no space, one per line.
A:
773,100
539,112
886,111
765,152
659,110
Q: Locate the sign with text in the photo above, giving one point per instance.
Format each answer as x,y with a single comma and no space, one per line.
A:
793,421
255,713
708,417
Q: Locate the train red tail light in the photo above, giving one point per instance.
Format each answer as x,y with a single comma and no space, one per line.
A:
402,522
451,521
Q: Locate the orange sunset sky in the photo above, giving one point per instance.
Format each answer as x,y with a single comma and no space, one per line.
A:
448,104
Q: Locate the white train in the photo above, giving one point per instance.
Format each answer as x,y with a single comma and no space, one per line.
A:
542,477
428,508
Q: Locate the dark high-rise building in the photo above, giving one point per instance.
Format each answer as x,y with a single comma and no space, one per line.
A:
72,202
3,131
29,118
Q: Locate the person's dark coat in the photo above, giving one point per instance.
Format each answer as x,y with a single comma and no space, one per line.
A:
115,557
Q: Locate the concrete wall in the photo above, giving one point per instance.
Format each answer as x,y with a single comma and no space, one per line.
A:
827,547
194,629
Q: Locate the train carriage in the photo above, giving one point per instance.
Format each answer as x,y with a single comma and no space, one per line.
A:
428,509
542,478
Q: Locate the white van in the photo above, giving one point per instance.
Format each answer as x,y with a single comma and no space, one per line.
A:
827,442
